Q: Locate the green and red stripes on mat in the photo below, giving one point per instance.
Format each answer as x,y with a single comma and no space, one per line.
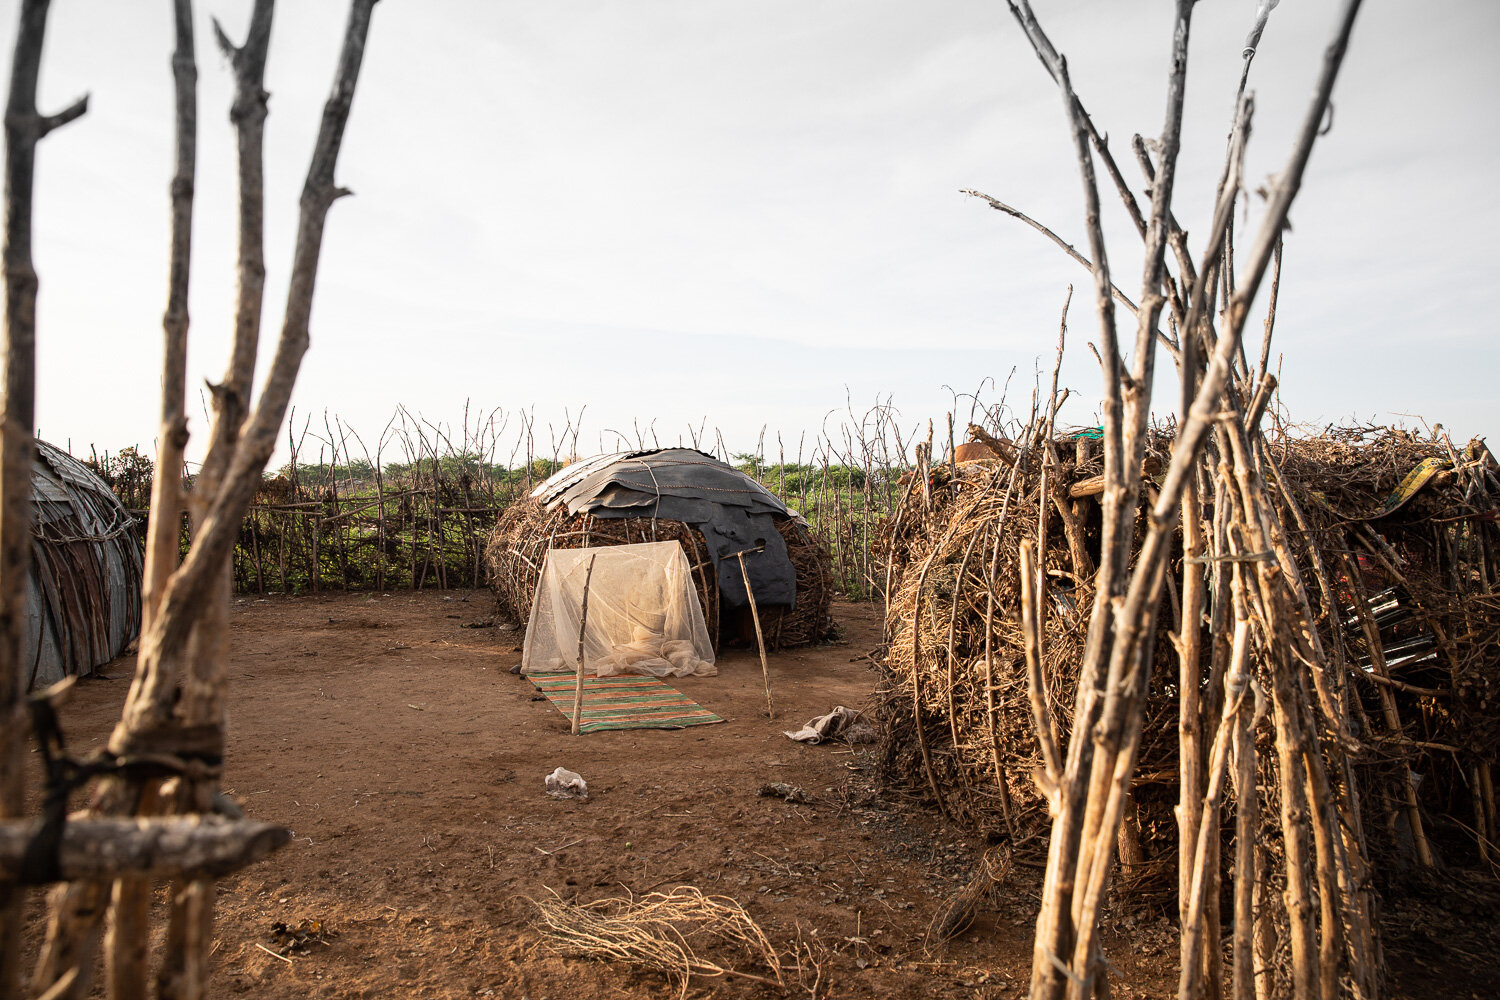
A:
624,702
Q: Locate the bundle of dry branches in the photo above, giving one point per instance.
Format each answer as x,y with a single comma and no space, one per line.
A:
671,932
957,712
165,756
1424,573
1257,681
957,913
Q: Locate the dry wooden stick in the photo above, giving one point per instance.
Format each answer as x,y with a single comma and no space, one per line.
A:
1265,341
1295,819
583,621
24,128
989,687
167,488
1035,687
1487,797
97,848
1003,450
1061,243
1324,821
1247,817
1237,684
1189,646
125,945
760,642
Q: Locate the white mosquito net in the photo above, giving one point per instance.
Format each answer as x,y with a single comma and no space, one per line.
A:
643,614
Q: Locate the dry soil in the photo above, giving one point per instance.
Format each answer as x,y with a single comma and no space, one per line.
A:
388,733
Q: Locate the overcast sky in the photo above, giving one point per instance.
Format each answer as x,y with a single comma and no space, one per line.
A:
672,210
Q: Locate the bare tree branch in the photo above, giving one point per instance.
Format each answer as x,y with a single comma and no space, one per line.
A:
1065,246
24,128
164,644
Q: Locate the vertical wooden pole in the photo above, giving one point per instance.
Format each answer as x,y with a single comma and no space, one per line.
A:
314,578
1247,818
127,936
24,128
1481,828
989,685
583,621
760,642
1487,792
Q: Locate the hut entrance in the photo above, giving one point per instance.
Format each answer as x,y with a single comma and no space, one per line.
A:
629,609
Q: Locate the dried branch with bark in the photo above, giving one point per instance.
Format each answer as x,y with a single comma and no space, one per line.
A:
159,777
1251,580
24,128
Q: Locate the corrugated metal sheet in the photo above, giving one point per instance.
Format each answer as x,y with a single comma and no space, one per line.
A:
84,597
549,489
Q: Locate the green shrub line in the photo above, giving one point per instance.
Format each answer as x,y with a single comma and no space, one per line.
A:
356,526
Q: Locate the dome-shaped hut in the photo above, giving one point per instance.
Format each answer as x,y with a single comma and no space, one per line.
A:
712,509
83,600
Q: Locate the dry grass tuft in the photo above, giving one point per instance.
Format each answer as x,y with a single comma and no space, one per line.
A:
957,914
670,932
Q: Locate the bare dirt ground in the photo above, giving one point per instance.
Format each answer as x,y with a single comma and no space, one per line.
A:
389,734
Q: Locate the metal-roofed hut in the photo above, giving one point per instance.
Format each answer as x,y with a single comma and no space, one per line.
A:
712,509
83,600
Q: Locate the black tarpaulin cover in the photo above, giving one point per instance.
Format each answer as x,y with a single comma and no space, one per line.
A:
732,511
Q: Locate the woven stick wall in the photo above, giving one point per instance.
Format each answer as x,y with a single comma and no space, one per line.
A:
1398,541
953,551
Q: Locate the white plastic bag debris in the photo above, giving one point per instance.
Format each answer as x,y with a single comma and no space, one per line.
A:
565,784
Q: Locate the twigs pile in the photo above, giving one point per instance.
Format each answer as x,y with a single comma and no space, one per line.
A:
1389,628
956,643
670,932
957,913
1411,569
518,547
1196,557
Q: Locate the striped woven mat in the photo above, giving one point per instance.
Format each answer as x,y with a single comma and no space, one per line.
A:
627,702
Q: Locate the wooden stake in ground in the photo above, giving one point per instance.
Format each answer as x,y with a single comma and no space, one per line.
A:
174,711
760,642
128,935
583,620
